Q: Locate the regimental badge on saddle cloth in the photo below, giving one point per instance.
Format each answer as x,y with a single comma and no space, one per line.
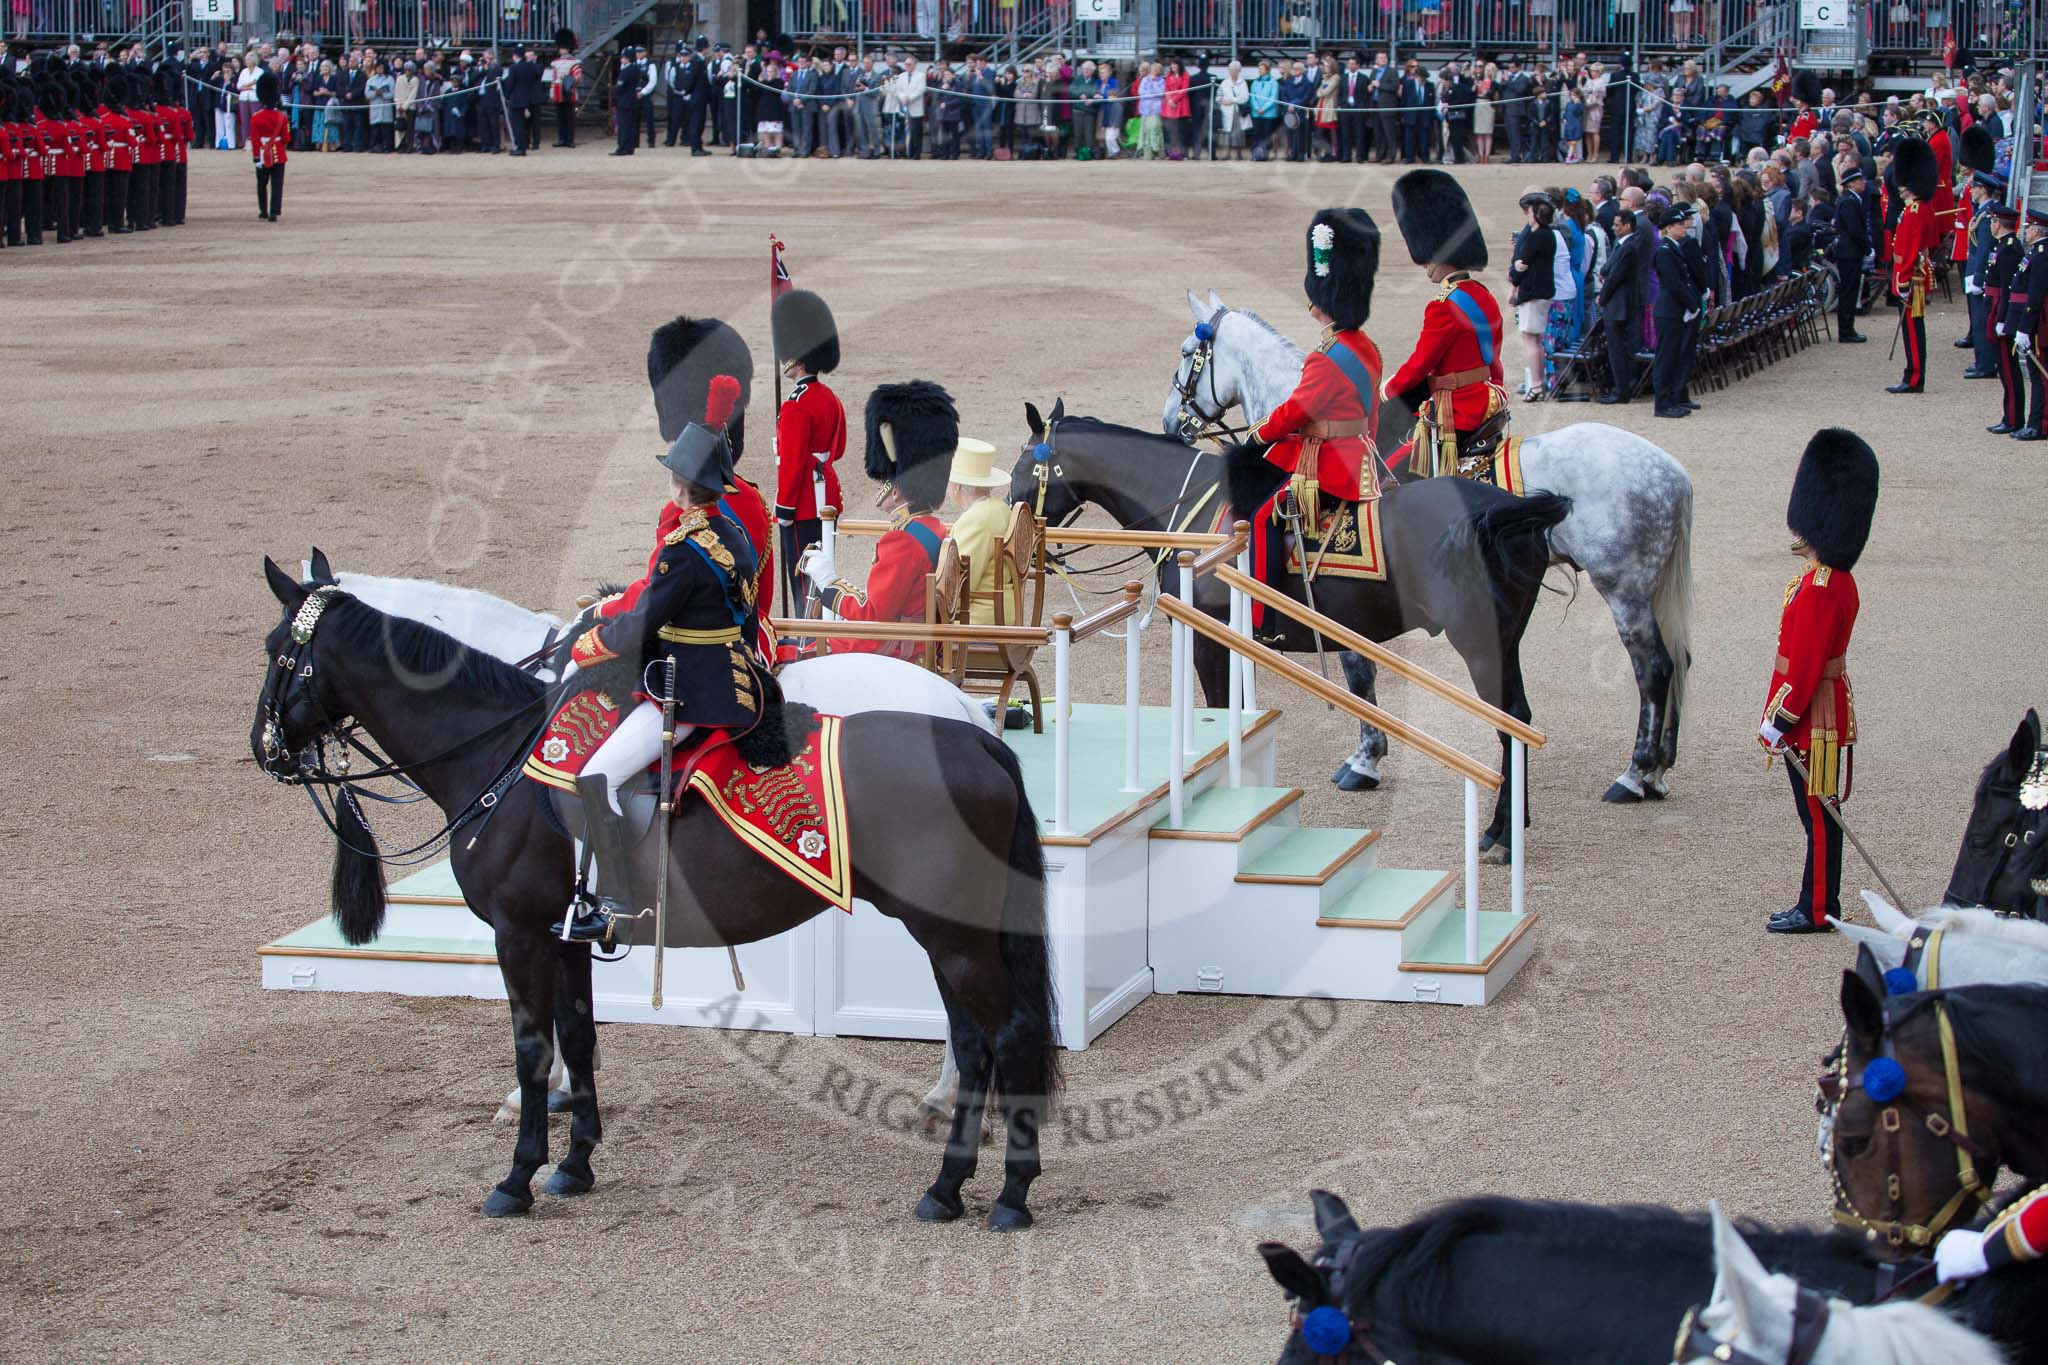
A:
579,726
1347,544
794,815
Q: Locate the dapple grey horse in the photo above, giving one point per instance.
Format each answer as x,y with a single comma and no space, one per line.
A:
1630,528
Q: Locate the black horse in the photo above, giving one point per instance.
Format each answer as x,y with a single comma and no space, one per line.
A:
2003,860
1464,559
966,878
1497,1281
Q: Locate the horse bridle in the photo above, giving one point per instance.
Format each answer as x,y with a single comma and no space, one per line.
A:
2032,794
1953,1127
1192,424
1046,468
1349,1335
1809,1325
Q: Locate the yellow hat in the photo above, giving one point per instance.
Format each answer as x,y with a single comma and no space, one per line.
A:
974,465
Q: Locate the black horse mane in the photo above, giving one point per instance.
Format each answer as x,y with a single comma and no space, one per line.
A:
422,650
1097,426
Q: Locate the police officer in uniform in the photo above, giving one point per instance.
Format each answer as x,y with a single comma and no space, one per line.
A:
698,607
912,432
810,430
677,77
1453,378
1810,708
2026,309
1849,250
626,101
2004,262
1678,301
1916,170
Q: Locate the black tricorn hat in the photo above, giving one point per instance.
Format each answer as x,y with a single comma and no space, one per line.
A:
565,37
1834,496
1979,150
804,332
1437,222
682,356
1914,167
912,431
266,90
1343,258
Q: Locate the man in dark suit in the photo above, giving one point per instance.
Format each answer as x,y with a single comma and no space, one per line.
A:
1463,95
626,87
201,70
355,106
1621,299
1605,205
700,95
1850,249
1385,142
1795,253
1676,307
1354,99
522,100
1515,92
1416,108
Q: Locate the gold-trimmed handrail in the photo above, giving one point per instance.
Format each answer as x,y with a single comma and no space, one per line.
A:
1381,655
1316,685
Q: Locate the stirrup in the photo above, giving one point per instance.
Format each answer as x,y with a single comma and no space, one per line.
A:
587,920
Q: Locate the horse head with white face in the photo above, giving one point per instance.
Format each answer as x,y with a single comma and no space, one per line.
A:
1213,378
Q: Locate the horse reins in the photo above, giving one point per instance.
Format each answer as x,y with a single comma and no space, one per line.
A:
1044,455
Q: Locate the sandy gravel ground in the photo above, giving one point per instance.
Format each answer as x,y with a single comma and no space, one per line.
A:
436,368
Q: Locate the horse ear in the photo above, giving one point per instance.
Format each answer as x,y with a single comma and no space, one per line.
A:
1889,917
1333,1218
1195,308
1871,971
283,584
1741,1284
1215,303
1302,1281
1879,945
1862,1010
2025,740
1059,408
323,572
1031,416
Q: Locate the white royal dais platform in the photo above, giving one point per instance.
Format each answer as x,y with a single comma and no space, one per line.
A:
1241,899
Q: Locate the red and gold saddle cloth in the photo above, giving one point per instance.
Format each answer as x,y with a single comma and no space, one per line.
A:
794,816
1348,544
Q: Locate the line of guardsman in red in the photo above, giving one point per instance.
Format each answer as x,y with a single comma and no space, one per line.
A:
88,151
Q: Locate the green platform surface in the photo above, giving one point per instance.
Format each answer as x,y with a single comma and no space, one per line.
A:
322,936
1387,893
1303,852
1096,752
434,883
1225,810
1446,947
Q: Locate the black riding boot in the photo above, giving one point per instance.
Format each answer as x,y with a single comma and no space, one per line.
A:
604,830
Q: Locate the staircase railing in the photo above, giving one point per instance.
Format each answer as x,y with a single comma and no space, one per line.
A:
603,20
1759,37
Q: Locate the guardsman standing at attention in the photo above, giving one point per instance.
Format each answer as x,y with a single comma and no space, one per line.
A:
1850,250
1985,190
1453,378
2026,309
1999,269
1811,709
810,431
1914,167
1678,302
2018,1234
1323,433
270,133
912,433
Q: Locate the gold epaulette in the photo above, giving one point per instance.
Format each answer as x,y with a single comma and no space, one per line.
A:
693,520
706,539
1821,574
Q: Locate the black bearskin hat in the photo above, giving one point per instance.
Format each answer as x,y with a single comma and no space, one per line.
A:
566,37
114,90
1914,167
804,332
1437,222
1834,496
51,99
1343,257
1979,150
1806,87
912,431
682,356
266,90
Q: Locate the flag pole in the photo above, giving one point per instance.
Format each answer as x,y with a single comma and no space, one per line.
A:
790,605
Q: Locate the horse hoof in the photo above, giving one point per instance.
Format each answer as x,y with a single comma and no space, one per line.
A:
559,1102
1003,1218
933,1209
1621,794
502,1205
568,1186
1500,855
1349,779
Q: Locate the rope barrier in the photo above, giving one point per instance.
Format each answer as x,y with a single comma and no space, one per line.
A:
234,95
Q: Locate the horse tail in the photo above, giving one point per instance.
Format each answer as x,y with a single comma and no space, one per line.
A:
358,888
1024,941
1672,607
1512,537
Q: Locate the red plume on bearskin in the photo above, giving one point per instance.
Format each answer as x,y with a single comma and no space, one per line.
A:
719,401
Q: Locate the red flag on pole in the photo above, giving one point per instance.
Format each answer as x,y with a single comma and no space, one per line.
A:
1781,81
779,282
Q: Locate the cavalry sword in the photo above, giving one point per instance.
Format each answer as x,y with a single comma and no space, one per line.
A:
1833,807
664,811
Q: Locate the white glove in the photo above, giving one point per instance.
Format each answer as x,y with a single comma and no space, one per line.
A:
1771,737
2022,343
1970,285
1960,1256
818,567
1693,314
2000,329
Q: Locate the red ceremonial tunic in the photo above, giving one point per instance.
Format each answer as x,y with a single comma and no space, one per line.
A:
1811,703
148,137
120,139
895,590
29,138
10,154
810,434
1944,205
1911,240
270,135
177,132
2020,1233
92,143
1450,346
60,139
1326,394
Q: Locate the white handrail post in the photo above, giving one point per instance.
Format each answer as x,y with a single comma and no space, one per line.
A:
1176,760
1471,871
1062,733
1251,692
1236,664
1518,810
1187,644
1132,712
828,541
